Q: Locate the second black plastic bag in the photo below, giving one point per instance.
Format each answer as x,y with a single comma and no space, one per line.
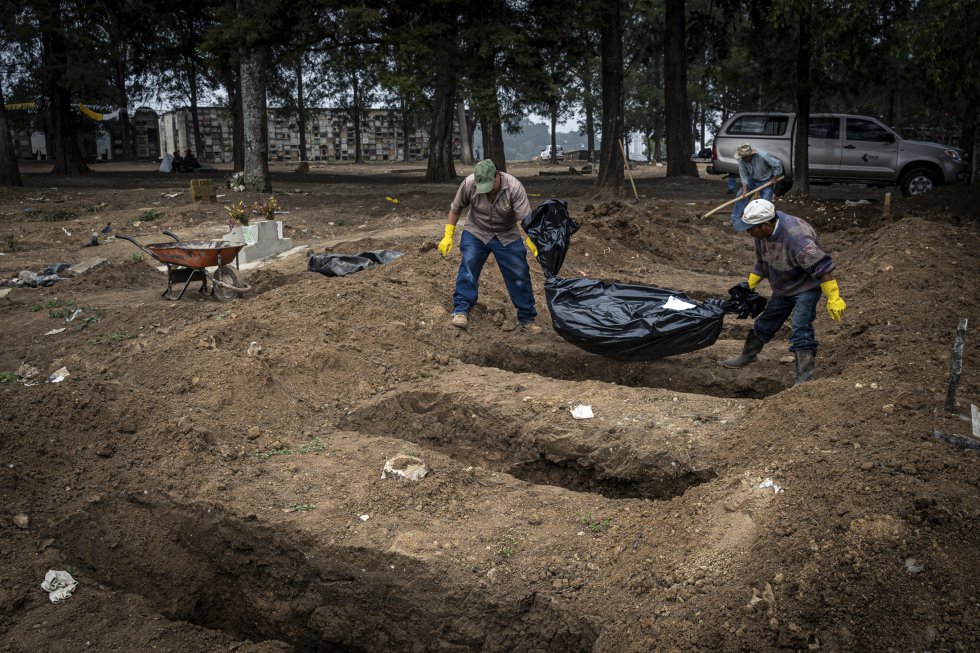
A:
626,321
340,265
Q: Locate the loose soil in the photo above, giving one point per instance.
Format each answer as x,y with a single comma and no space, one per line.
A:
210,472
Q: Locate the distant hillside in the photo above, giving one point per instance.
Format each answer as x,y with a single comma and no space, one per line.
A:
533,138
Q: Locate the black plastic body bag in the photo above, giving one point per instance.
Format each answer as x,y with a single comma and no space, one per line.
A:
626,321
340,265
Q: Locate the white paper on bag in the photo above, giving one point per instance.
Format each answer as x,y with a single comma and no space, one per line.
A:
675,304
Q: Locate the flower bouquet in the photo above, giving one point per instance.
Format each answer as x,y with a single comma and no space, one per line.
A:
236,181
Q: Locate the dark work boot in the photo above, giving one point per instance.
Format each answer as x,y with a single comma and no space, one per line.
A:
806,361
749,352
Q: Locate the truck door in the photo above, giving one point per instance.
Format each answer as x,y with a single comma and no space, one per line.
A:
825,146
870,151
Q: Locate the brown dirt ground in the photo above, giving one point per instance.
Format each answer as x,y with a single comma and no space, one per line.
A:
210,495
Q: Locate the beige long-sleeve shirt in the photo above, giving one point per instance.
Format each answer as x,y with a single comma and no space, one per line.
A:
500,219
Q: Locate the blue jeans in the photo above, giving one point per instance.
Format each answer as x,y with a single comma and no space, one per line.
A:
765,194
732,182
804,310
512,261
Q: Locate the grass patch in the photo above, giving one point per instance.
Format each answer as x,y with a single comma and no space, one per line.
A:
300,507
149,215
508,547
111,338
58,215
136,257
309,447
93,318
8,377
51,303
62,313
595,526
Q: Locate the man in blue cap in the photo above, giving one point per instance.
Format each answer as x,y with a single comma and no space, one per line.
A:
788,254
497,203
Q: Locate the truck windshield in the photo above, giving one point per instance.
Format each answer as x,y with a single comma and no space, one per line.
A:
759,125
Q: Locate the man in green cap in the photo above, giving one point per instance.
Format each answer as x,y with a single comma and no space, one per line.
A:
497,203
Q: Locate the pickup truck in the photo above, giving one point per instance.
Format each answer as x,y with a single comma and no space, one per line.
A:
844,149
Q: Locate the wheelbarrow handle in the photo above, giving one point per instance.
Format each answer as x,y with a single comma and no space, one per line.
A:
172,235
133,240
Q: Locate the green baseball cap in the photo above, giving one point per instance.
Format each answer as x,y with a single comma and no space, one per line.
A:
484,173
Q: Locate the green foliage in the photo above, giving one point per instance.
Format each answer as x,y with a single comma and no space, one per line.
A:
8,378
595,526
136,257
112,338
301,507
149,215
51,303
508,547
58,215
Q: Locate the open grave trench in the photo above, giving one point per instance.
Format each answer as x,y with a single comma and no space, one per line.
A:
645,444
257,581
694,373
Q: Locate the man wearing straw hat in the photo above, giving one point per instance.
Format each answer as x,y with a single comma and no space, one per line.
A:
755,168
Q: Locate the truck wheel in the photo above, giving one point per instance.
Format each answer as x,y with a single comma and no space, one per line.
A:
918,181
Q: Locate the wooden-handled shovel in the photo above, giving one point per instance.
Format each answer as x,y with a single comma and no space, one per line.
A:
738,199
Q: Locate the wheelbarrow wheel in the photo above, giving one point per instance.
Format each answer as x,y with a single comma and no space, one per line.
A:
224,275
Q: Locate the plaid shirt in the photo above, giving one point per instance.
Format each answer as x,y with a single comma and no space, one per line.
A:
791,258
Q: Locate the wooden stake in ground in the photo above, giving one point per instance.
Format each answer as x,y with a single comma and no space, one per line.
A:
738,199
626,162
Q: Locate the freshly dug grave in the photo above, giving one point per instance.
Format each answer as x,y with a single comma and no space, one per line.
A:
211,473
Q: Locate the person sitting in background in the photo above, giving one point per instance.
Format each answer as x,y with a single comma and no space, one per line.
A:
177,165
190,161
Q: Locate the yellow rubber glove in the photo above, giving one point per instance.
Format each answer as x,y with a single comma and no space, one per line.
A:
835,305
446,244
754,280
531,247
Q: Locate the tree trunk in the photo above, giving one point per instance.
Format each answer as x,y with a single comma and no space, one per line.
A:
356,117
554,134
493,138
125,126
406,124
67,156
256,123
969,137
195,119
301,109
588,101
440,165
465,149
9,171
680,145
801,141
658,150
238,124
611,174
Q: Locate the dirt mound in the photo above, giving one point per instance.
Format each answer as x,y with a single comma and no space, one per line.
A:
211,472
130,274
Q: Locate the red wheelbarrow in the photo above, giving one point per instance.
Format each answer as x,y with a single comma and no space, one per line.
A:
190,260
